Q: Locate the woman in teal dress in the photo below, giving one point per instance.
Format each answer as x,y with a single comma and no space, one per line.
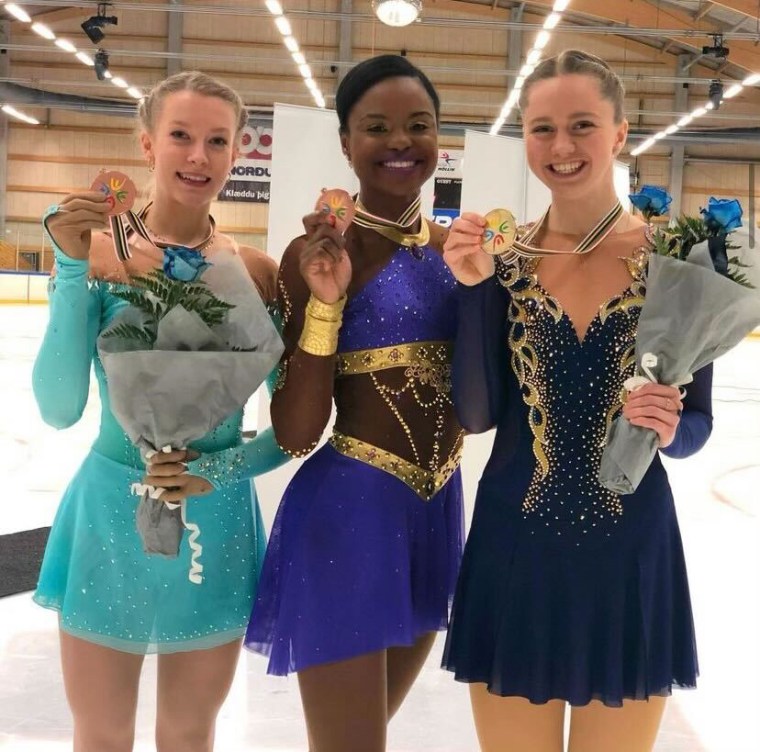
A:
117,603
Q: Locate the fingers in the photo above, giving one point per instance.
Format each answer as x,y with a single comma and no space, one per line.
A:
168,458
656,396
166,469
312,222
650,413
94,201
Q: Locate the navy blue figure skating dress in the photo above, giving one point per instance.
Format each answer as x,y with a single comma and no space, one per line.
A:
567,590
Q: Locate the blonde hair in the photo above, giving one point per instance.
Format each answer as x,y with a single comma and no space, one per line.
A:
584,64
200,83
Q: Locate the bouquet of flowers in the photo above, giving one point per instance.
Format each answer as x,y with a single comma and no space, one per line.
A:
193,345
699,304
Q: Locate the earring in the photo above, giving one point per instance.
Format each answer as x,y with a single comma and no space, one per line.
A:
151,166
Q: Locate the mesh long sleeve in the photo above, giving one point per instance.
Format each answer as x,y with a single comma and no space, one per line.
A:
481,355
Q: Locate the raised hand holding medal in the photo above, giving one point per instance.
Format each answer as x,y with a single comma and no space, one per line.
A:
119,190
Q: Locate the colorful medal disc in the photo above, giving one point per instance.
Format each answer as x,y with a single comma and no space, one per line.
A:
119,190
500,232
339,206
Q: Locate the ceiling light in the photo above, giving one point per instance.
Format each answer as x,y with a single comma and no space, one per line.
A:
43,31
560,5
101,65
134,92
274,7
305,71
65,45
291,44
283,26
120,82
533,57
298,58
685,120
542,39
93,26
551,20
13,112
751,80
699,112
658,136
397,12
733,91
19,13
85,58
671,129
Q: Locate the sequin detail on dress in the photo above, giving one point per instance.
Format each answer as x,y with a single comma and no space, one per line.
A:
569,418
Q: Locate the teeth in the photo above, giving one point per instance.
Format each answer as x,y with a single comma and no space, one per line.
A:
567,167
193,178
398,165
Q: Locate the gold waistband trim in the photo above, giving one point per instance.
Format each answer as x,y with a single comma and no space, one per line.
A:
425,483
380,358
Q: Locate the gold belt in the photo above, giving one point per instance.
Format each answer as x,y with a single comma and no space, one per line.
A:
425,483
379,358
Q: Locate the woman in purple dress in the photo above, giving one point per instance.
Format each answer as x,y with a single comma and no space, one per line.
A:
366,545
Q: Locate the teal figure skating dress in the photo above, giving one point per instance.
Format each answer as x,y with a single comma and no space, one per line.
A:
94,572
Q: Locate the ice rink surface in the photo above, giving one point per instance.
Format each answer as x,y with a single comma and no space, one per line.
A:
718,499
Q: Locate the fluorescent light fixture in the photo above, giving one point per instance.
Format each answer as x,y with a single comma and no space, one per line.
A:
65,45
685,120
560,5
134,92
83,57
274,7
751,80
526,70
671,129
311,84
699,112
496,127
733,91
519,81
542,39
658,136
283,25
43,31
305,71
120,82
19,13
551,20
291,44
533,57
13,112
299,59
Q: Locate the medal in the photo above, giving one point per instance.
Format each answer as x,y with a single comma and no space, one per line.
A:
338,206
500,232
119,190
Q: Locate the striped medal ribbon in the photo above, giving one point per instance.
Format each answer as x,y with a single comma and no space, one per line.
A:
523,248
399,231
136,224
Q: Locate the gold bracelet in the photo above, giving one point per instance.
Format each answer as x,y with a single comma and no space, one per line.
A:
321,326
326,311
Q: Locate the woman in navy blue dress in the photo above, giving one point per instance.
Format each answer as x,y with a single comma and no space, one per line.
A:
568,593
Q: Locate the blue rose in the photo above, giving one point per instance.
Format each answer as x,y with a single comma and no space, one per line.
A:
651,201
184,264
722,214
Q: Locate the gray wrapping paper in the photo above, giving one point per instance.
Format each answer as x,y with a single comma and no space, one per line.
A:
691,316
190,383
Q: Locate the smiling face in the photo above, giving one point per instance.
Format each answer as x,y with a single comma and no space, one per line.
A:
392,139
571,137
192,145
